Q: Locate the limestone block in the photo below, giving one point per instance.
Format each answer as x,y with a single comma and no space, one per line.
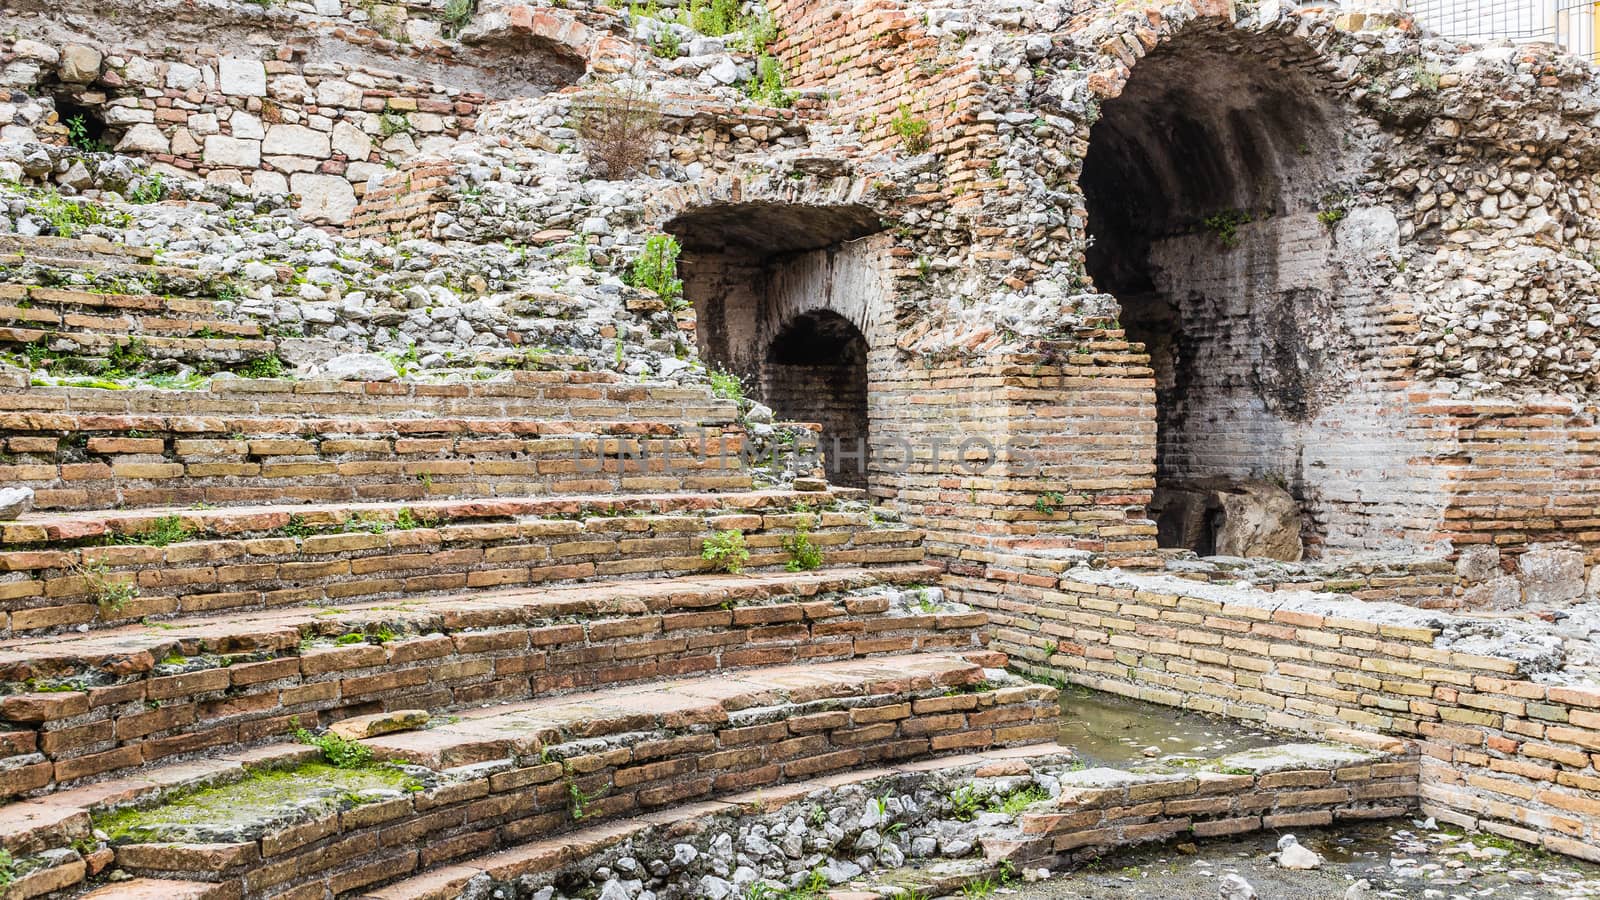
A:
1499,592
36,51
351,141
359,367
269,183
22,73
206,123
184,143
333,92
296,140
142,72
143,138
422,31
292,163
1551,573
79,64
117,114
426,122
245,125
242,77
183,77
1478,563
324,197
388,20
221,150
357,727
14,501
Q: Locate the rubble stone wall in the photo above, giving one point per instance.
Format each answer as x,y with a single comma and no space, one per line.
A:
313,105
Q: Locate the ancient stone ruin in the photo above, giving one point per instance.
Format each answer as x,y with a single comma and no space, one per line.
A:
477,449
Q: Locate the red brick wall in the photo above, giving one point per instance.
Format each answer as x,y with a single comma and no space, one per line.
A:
1501,751
403,205
876,56
1080,415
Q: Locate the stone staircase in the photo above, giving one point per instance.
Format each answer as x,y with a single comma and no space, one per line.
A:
495,593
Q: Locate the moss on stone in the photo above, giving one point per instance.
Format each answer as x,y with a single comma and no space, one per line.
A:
243,809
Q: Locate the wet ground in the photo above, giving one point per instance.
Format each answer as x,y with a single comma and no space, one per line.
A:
1399,859
1402,858
1107,730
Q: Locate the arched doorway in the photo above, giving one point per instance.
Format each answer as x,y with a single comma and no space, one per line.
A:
1212,185
788,296
816,371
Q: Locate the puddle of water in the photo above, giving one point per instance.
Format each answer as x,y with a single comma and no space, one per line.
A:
1107,730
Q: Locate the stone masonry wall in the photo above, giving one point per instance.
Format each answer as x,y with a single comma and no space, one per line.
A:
1501,749
1272,364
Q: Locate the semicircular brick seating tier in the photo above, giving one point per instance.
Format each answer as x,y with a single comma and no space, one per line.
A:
208,571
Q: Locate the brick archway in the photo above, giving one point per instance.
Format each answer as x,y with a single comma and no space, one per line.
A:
792,298
1214,183
815,370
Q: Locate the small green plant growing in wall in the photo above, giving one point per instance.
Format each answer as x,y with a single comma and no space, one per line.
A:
8,869
1426,79
1225,225
726,386
457,15
767,87
78,136
110,596
804,556
656,269
912,131
166,530
1048,502
263,367
714,18
149,189
1334,207
666,44
726,551
393,123
336,751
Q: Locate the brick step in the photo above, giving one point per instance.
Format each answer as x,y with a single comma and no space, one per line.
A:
195,562
38,530
38,306
497,777
217,352
583,851
114,266
86,248
76,462
557,395
1098,812
80,707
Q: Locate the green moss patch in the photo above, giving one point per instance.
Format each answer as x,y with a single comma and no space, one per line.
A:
265,798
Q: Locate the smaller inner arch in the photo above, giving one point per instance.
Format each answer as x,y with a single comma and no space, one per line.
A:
816,371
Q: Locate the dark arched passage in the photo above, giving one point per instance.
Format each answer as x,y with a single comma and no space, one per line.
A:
816,371
1203,182
784,296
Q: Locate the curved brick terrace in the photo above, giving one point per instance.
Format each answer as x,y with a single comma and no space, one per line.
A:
679,452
